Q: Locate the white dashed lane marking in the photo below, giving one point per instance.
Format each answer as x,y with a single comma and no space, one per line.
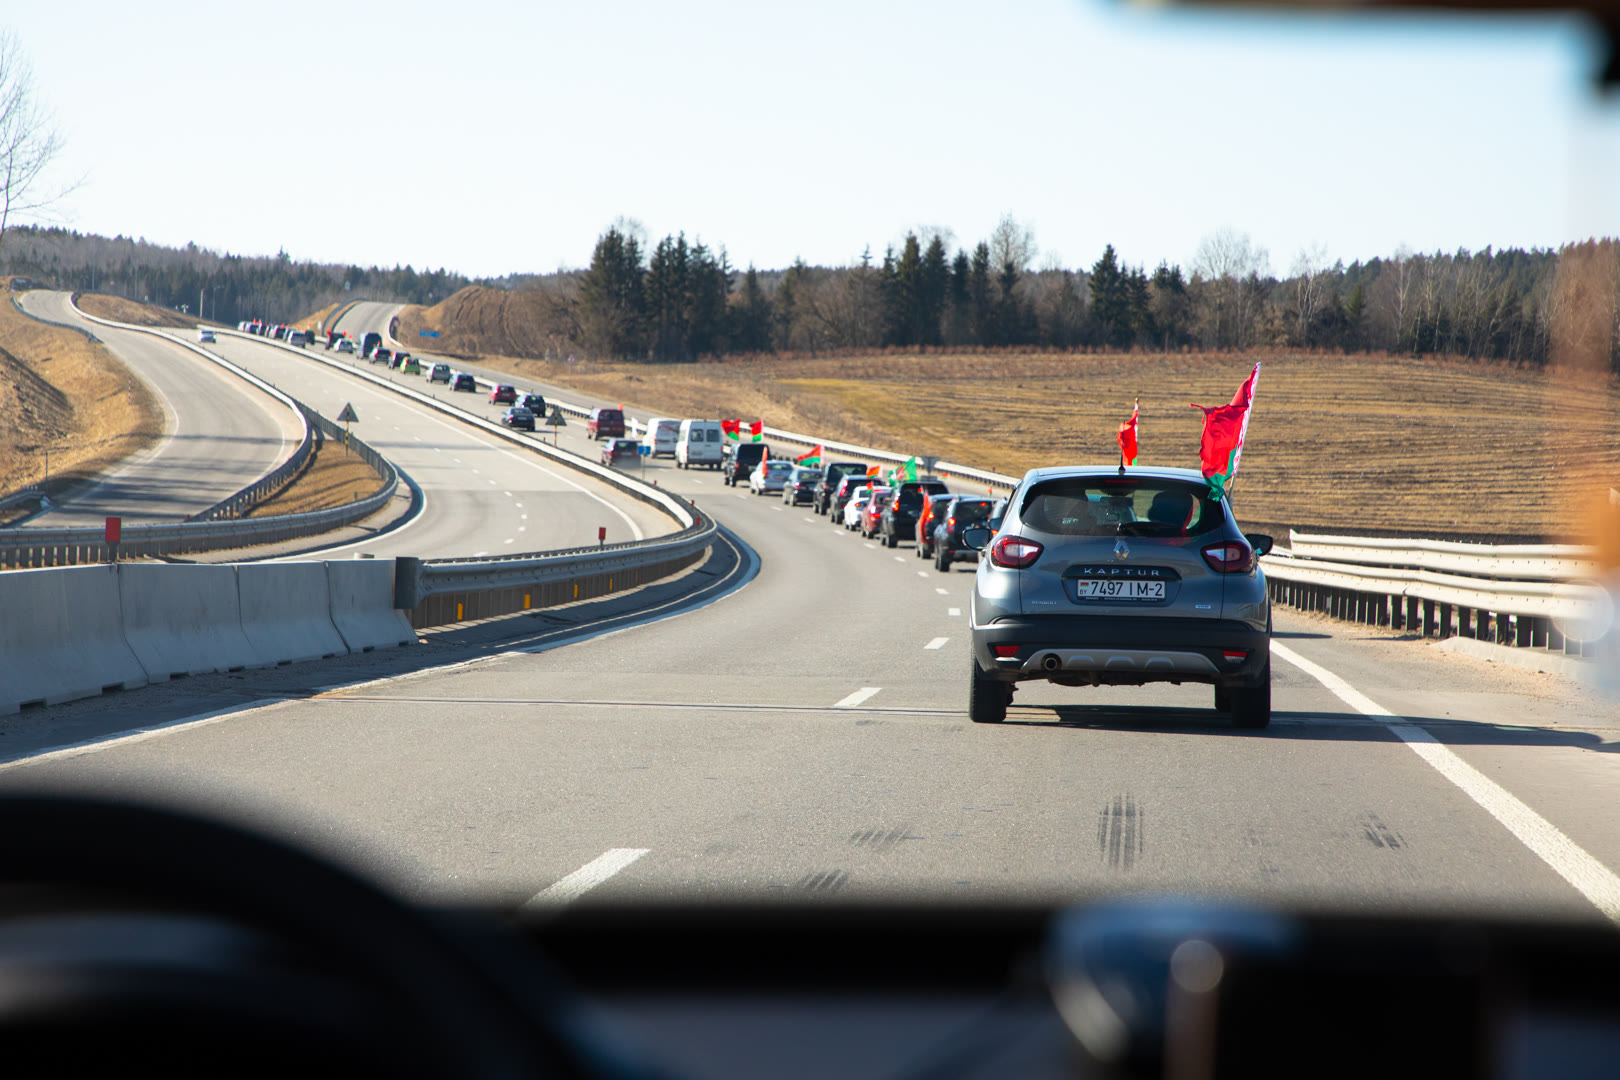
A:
857,697
923,574
956,613
568,889
942,592
937,643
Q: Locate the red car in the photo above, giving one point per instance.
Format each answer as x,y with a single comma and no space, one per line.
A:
503,395
872,514
605,424
926,521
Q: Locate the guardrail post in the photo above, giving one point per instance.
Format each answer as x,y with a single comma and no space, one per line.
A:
1445,621
1523,626
1555,638
1465,622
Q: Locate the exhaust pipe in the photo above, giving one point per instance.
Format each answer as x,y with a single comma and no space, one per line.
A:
1051,662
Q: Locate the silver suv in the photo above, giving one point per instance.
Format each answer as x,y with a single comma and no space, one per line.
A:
1098,577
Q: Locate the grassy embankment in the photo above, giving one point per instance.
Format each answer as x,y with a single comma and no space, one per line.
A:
60,393
1437,447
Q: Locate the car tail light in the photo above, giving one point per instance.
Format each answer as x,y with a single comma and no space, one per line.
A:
1235,654
1014,552
950,523
1003,652
1231,557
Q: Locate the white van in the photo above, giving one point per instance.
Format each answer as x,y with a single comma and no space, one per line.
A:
698,443
662,433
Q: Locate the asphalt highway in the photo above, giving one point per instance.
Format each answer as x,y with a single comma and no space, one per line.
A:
221,434
805,736
481,495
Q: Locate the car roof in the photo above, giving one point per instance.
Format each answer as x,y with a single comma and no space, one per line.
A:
1051,472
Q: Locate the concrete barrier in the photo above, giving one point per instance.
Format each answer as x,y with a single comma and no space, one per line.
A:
62,636
362,605
286,611
183,619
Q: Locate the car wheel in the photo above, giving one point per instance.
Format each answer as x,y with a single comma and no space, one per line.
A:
890,540
987,699
1223,699
942,561
1251,705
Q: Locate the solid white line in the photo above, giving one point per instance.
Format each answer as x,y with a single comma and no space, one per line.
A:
857,697
956,613
1568,859
937,643
586,878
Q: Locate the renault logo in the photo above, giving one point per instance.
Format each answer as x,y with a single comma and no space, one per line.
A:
1122,550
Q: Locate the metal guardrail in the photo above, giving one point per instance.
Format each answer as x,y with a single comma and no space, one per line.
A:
1526,595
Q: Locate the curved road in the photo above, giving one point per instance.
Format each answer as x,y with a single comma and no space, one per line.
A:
481,495
220,433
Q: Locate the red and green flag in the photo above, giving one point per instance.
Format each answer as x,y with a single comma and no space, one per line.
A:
1127,436
812,457
1225,427
874,470
735,430
907,470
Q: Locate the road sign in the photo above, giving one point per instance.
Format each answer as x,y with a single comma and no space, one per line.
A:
644,450
556,418
348,415
427,333
115,529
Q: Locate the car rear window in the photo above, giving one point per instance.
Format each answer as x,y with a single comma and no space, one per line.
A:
1121,506
971,511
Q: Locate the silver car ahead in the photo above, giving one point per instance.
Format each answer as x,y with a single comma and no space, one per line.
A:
1098,578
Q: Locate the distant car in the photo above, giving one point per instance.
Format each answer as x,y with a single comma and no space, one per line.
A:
382,356
205,337
769,476
899,521
661,436
739,460
503,395
960,514
518,417
299,338
872,512
400,359
465,383
926,522
411,366
534,403
605,424
440,373
800,485
619,451
843,493
370,342
343,345
856,506
821,501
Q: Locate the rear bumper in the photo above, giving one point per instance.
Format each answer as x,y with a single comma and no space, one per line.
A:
1123,650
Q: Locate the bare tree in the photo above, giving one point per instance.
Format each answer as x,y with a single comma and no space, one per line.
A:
29,139
1313,278
1227,253
1012,244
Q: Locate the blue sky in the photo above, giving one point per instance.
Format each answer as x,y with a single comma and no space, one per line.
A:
496,137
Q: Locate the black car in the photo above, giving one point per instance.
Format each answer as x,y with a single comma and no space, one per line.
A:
738,462
382,356
518,417
899,521
960,513
821,499
841,494
464,382
535,403
801,484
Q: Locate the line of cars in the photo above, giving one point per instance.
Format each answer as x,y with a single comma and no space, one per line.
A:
1085,576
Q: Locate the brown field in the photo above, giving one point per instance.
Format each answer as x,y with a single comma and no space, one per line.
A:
1366,442
309,322
58,391
331,478
117,309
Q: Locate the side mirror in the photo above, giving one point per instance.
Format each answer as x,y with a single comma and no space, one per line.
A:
1260,542
977,537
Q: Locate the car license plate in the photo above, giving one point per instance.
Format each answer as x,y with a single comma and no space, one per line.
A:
1111,589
